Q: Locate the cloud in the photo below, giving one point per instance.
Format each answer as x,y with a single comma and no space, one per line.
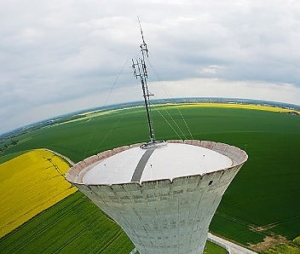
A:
54,55
208,87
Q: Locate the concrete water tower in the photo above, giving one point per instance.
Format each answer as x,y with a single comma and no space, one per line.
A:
162,194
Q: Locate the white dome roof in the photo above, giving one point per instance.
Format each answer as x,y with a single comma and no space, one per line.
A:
166,161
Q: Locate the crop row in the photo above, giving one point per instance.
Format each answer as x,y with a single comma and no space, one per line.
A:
73,225
262,199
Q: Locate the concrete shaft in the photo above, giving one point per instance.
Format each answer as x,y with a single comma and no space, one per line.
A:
165,216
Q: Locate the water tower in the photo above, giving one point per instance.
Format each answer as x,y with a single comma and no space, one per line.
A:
162,193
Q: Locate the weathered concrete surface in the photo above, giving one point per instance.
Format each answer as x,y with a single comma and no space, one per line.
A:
164,216
227,245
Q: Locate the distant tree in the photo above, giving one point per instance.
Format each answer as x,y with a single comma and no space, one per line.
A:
14,142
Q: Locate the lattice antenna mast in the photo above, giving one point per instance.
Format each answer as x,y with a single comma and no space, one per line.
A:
140,71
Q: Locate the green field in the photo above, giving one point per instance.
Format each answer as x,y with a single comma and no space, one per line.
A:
263,200
74,225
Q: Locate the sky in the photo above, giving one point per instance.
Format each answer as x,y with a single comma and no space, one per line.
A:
58,57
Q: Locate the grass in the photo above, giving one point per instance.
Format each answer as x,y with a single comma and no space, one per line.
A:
286,248
73,225
212,248
264,193
262,199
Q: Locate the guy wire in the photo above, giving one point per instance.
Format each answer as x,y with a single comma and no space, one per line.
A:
105,104
169,94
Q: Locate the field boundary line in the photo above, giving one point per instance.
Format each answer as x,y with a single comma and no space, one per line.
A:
60,155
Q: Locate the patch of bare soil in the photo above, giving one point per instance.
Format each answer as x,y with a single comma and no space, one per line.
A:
269,242
263,228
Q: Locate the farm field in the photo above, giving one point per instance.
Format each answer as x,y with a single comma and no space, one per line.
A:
233,105
73,225
290,248
261,202
29,184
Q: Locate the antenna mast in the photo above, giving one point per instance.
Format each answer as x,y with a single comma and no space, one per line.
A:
140,70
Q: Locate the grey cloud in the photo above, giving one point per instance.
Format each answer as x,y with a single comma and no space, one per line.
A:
61,51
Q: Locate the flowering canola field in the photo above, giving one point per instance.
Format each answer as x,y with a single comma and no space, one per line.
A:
29,184
234,105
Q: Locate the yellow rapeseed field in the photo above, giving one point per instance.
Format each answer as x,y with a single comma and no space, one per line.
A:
235,105
29,184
